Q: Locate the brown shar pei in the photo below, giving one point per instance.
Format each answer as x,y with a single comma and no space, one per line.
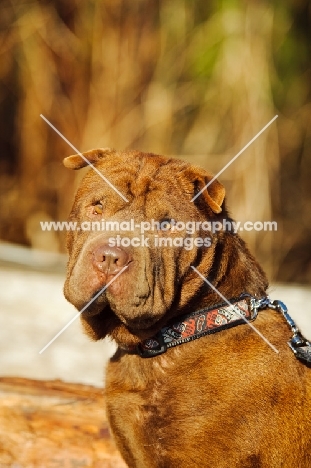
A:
223,400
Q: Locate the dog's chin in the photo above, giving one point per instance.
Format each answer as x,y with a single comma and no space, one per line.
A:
137,318
128,330
138,321
140,324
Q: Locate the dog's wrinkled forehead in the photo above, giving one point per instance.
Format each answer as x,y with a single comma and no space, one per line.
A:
136,173
131,165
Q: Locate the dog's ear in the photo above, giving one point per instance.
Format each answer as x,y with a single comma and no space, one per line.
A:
76,161
213,195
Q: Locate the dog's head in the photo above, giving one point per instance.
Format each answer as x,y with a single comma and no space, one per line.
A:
143,270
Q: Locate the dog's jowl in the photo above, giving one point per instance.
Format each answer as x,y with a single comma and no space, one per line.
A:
191,384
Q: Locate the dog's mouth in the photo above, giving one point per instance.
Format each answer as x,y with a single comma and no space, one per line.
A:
103,311
96,305
140,323
91,312
132,324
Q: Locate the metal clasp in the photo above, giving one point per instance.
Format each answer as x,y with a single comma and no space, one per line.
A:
257,304
151,352
300,346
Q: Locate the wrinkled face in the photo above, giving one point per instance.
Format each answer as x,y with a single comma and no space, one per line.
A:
134,256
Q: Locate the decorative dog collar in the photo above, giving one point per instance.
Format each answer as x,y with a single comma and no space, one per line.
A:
200,323
221,317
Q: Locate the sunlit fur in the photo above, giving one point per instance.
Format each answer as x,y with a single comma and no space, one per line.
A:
225,400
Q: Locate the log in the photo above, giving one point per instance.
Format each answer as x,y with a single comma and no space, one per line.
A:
53,424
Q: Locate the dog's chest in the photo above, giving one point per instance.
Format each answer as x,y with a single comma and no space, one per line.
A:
140,412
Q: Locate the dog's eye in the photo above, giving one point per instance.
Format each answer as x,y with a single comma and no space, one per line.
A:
98,208
166,224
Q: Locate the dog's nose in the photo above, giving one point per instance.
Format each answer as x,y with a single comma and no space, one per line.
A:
110,259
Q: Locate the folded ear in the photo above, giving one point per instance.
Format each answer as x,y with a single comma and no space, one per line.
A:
213,195
77,161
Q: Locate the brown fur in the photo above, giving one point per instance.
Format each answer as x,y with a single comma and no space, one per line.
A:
225,400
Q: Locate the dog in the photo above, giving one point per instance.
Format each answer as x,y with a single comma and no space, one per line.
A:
191,383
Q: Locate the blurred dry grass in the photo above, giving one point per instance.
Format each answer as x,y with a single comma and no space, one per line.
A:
192,79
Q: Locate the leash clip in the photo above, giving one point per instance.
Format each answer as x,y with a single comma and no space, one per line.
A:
300,346
257,304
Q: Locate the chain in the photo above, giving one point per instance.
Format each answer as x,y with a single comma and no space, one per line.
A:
300,346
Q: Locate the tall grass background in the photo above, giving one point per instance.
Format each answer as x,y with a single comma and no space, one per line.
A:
191,79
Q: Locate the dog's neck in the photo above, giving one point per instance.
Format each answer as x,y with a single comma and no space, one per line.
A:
234,271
